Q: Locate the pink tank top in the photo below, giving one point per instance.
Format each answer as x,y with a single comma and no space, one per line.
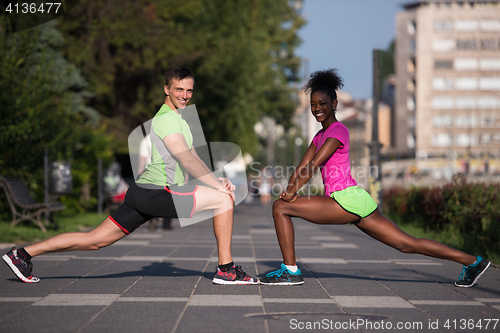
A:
335,171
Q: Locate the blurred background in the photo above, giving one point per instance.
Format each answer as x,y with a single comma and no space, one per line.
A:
74,88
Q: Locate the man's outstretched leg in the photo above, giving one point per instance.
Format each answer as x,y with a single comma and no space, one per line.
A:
222,204
19,260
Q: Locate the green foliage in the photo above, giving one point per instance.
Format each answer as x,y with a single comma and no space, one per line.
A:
470,210
43,105
241,53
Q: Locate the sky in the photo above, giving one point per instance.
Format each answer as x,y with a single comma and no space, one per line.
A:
342,34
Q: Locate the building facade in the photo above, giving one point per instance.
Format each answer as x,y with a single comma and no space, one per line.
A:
448,79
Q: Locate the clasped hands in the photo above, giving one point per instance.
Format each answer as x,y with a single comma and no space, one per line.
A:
288,197
227,187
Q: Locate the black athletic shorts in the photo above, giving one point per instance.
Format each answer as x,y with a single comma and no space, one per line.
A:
145,201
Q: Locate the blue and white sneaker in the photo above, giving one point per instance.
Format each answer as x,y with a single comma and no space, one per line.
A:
283,277
472,273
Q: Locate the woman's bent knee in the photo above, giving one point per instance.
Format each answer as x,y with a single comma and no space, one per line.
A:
278,206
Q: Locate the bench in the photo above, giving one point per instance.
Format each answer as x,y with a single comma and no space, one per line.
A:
23,206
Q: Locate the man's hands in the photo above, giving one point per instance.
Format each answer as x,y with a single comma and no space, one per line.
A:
227,187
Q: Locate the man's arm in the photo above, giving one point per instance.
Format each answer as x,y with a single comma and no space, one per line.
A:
225,181
177,146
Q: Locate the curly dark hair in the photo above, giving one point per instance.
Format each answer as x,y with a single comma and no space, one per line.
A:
326,81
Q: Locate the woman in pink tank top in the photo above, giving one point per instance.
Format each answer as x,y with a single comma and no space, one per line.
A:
344,202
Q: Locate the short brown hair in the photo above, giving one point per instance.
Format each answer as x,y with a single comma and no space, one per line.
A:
178,73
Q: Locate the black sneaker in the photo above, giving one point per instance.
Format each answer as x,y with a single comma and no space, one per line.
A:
22,267
283,277
470,274
233,275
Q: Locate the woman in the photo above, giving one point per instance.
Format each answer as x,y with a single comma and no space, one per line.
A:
344,201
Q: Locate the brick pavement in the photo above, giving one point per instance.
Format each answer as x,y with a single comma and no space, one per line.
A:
161,281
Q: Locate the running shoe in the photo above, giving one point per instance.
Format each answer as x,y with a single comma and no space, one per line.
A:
283,277
472,273
22,267
233,275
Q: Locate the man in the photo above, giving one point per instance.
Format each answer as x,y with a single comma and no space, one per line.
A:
155,191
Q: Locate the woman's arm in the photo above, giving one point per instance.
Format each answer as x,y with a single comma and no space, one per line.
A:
308,156
304,174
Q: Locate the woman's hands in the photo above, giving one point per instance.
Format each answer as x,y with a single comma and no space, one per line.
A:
288,197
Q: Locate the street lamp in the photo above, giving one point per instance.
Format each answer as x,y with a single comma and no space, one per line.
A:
375,181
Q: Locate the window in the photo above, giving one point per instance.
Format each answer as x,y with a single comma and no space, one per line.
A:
466,25
411,122
442,103
465,64
442,120
443,25
487,102
466,44
485,139
442,83
410,66
466,103
466,121
411,28
496,138
410,85
489,83
443,45
488,44
487,120
490,25
441,140
466,83
413,46
443,64
410,104
465,140
488,64
410,140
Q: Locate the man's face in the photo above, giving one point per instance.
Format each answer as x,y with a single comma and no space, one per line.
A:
179,92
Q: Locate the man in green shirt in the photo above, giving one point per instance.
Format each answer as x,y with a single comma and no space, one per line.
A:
160,191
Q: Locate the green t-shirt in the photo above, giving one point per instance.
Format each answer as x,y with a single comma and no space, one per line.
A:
163,168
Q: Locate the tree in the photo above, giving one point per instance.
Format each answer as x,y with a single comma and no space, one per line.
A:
43,105
235,48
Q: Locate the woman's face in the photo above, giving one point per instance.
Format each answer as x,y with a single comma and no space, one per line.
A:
322,107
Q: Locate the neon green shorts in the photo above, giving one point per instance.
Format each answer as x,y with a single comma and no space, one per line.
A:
355,200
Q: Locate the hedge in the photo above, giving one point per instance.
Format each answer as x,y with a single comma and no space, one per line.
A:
472,210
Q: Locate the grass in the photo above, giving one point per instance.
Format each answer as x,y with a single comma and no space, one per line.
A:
28,232
449,236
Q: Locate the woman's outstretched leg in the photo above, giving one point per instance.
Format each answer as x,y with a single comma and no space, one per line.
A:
381,228
386,231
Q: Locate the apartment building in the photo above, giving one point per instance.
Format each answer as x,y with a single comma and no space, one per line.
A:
447,98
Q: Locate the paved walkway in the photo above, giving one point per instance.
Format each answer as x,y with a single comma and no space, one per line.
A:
161,282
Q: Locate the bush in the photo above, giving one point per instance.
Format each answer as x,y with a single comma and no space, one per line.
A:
472,210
